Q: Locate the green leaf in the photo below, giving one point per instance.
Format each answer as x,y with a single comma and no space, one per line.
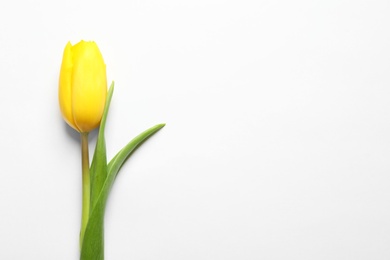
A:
93,243
98,169
120,158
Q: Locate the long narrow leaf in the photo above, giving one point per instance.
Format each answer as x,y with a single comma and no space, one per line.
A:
99,162
120,158
93,236
93,245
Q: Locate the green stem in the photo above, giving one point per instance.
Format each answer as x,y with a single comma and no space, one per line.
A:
86,185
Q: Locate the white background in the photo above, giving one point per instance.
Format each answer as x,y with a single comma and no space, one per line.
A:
277,143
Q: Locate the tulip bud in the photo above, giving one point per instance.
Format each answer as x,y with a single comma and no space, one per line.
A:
82,86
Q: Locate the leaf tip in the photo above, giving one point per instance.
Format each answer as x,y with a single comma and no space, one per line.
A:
111,86
159,126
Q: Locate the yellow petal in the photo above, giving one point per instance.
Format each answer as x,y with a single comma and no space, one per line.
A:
89,85
65,88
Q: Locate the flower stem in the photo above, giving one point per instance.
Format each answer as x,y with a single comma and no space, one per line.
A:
86,185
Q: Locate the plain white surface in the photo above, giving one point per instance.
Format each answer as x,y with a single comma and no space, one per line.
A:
277,144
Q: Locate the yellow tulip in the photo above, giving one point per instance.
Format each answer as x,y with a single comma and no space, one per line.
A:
82,86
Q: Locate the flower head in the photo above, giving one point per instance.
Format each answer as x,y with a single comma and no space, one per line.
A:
82,86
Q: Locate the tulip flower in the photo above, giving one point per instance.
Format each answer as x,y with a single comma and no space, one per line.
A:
83,86
82,96
84,103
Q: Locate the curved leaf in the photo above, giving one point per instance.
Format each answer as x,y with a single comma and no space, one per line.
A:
120,158
93,244
98,169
